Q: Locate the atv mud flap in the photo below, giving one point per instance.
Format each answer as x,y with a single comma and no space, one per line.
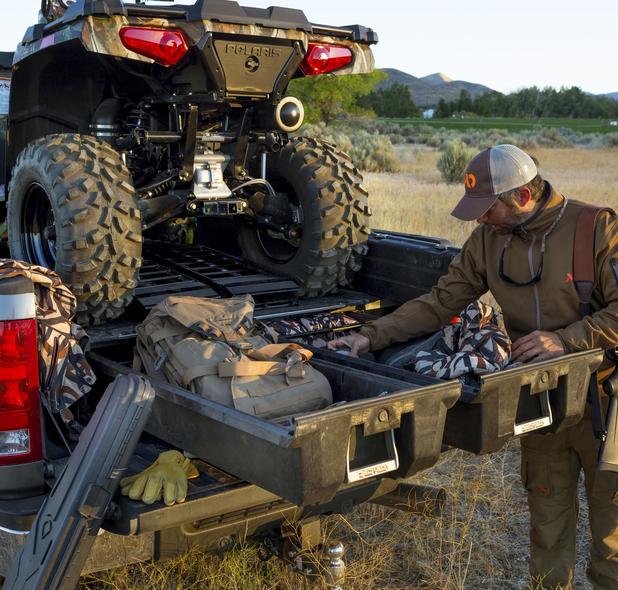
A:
67,524
379,427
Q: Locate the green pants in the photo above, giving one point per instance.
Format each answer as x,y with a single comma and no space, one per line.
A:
550,468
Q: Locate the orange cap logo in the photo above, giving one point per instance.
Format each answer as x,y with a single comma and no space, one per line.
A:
470,180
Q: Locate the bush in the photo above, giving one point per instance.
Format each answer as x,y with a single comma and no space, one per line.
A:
612,139
454,160
371,152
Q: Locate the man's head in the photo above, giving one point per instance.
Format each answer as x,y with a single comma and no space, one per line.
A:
502,188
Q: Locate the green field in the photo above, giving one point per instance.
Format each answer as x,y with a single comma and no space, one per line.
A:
582,125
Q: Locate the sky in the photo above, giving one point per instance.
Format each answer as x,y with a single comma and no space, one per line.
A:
503,44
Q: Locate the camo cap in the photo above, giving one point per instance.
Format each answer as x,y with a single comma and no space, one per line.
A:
494,171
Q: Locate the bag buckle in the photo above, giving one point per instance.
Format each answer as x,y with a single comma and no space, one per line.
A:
160,361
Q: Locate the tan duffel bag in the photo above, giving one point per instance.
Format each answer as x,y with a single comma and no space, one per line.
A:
212,347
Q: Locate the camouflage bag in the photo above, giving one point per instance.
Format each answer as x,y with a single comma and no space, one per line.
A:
64,373
473,345
213,347
315,330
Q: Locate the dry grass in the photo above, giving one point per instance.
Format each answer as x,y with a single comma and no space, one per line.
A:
481,542
416,200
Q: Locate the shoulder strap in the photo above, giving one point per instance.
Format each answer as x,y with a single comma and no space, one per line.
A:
584,256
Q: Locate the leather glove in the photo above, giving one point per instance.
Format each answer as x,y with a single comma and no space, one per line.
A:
166,477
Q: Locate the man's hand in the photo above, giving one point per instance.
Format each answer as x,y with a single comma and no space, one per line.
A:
356,343
537,346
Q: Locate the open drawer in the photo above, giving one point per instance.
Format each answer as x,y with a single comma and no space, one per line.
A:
380,427
547,396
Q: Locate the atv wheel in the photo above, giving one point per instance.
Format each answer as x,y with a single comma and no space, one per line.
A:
330,205
72,208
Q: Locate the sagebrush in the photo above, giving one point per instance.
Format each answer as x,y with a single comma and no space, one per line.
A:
453,161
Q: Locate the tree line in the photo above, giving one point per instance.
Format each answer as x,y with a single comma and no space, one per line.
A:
532,103
331,97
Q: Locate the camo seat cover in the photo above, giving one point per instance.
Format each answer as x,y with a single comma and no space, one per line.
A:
471,346
64,373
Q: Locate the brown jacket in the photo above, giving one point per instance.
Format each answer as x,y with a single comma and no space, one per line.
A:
551,304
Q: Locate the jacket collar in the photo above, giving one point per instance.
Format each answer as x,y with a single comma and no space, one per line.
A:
544,216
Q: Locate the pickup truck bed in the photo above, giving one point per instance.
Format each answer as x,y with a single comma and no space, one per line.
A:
255,474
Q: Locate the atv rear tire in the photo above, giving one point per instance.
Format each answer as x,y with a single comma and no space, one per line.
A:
326,188
72,208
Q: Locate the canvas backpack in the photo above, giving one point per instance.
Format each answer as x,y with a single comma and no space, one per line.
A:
214,348
64,373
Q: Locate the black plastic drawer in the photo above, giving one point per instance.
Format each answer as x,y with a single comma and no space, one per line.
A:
307,463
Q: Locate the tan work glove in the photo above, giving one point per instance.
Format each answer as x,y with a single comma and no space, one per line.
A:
166,477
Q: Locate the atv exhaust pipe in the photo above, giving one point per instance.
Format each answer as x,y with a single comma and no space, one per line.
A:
287,116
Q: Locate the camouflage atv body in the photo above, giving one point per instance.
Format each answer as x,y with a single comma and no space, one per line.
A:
128,117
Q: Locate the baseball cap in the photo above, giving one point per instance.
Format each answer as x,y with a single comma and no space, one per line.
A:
494,171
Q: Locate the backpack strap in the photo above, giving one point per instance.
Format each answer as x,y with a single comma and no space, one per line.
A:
584,256
267,360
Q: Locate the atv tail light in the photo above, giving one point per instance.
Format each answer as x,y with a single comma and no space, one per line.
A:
20,418
322,59
166,46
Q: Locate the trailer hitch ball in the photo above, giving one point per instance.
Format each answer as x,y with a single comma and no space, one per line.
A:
335,566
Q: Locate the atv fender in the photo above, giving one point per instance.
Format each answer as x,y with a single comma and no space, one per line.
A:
67,524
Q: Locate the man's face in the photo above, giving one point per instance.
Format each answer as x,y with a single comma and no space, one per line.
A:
502,218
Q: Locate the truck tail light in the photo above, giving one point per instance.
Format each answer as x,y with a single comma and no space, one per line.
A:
322,59
20,409
166,46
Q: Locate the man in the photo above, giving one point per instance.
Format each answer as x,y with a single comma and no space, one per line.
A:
522,251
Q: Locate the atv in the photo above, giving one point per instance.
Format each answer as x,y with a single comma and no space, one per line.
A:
129,121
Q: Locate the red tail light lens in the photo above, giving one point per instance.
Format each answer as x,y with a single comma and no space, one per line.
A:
166,46
20,418
321,59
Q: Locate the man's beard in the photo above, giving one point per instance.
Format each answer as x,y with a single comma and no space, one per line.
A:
515,220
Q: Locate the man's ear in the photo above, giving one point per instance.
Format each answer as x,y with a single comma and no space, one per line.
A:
524,196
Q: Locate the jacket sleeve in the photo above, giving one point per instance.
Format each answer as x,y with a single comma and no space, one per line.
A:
465,282
599,330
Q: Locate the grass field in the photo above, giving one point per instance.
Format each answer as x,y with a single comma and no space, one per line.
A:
511,124
481,541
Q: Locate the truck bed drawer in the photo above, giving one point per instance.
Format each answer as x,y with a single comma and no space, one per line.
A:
380,426
510,403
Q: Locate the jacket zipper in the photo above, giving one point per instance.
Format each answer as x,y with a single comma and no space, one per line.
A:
535,287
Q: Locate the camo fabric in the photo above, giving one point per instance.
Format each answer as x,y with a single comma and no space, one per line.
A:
55,9
65,374
315,330
471,346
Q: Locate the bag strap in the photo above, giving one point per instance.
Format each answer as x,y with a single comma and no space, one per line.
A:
584,256
272,351
264,361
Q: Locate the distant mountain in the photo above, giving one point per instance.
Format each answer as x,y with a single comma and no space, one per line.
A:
613,95
428,90
437,79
